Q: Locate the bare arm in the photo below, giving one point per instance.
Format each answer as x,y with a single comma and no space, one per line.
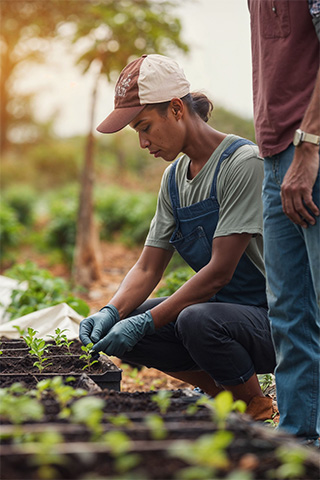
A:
226,253
296,189
141,280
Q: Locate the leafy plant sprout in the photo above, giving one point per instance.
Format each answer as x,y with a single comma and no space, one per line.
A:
87,356
162,399
60,339
38,348
29,337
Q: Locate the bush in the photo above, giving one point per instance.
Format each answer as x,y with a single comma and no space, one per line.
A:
175,280
62,227
125,213
43,291
22,200
10,229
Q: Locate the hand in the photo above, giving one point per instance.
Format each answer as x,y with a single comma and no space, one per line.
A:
297,186
95,327
125,335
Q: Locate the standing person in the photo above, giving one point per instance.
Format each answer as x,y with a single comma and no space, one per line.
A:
286,93
214,331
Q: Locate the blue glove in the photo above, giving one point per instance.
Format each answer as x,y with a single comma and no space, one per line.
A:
125,335
95,327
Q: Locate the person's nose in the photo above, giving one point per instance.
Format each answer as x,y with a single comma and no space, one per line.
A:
144,142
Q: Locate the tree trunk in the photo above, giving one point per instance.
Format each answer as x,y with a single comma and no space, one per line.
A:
86,267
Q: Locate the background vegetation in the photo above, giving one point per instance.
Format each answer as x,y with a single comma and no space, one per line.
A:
54,189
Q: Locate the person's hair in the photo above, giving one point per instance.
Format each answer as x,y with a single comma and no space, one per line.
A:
197,103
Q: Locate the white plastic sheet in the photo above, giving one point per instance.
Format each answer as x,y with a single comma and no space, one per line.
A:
45,322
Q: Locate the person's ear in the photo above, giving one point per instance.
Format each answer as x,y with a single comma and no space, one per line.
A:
177,108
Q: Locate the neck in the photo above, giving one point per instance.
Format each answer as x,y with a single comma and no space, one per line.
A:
201,143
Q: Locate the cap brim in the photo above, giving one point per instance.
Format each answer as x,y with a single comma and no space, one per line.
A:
119,118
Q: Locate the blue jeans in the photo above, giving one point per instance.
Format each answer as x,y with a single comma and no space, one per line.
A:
292,257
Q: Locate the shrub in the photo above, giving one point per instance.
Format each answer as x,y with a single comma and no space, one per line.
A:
22,200
175,280
10,229
62,227
125,213
43,291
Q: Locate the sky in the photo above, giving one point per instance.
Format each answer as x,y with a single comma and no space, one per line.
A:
219,64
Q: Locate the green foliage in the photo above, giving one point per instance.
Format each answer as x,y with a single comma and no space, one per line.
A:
292,463
17,407
23,201
61,229
10,229
44,290
87,356
175,280
126,213
162,399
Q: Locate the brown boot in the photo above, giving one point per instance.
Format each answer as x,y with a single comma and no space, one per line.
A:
260,408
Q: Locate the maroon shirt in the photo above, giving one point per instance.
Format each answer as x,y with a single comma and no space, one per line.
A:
285,62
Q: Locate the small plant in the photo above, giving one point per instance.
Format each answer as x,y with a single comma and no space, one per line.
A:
162,399
207,452
39,348
62,393
265,380
29,337
17,407
87,356
89,411
120,444
60,339
157,427
292,463
222,405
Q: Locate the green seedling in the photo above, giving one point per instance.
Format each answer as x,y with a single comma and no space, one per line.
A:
207,452
162,399
20,330
265,381
120,444
157,427
17,407
29,337
62,393
292,463
87,356
39,348
221,406
89,411
60,339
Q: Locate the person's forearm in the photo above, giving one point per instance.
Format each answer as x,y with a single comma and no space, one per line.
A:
141,280
134,290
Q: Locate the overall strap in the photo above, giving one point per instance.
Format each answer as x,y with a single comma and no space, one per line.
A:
173,189
225,154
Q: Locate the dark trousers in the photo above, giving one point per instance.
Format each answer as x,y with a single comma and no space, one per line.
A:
230,342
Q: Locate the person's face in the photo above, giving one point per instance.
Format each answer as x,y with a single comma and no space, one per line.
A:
162,135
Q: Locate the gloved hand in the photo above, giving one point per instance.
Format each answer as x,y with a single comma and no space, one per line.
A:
125,335
95,327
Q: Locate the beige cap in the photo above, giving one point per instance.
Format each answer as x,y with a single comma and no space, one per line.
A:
147,80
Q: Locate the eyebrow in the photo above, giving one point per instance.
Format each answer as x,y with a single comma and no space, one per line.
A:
138,123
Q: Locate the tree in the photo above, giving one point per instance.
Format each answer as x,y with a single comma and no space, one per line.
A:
26,28
118,31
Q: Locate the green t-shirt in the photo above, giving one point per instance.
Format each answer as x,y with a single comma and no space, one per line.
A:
239,186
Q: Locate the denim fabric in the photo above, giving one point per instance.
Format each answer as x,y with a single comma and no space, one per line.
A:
192,238
293,289
230,342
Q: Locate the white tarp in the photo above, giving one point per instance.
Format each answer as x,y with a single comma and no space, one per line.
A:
45,321
7,285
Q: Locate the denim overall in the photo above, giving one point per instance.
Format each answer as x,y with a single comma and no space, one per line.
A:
192,238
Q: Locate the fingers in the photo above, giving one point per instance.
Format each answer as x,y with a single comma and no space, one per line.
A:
300,209
85,330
